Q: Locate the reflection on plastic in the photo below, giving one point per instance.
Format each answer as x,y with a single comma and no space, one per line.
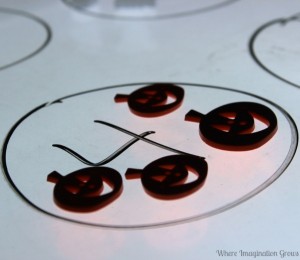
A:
232,126
82,3
134,4
146,9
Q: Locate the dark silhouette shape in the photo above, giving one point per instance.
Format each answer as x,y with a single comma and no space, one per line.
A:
231,127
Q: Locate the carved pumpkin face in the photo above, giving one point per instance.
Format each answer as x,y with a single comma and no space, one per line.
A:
81,191
166,177
96,132
233,126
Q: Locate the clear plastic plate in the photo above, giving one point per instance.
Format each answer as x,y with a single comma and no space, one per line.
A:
233,177
145,9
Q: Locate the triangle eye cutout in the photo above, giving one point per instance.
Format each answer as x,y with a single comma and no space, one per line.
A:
153,100
234,126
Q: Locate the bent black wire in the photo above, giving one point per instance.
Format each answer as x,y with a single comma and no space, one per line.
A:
109,158
145,139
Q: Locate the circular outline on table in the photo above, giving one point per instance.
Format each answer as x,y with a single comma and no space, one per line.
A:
264,185
282,21
33,18
123,17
